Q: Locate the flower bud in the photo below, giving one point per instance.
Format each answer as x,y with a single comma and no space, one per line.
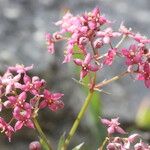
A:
35,145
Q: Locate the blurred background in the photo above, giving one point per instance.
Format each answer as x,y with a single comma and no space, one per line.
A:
23,24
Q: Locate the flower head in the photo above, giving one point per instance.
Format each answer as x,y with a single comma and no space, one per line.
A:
113,126
52,101
86,66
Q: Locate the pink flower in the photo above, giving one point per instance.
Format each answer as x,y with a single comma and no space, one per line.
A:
110,56
86,66
23,116
113,126
107,34
33,85
98,43
35,145
144,74
52,101
68,53
69,23
115,146
14,101
10,81
131,139
133,55
141,39
141,146
50,43
20,68
125,30
6,128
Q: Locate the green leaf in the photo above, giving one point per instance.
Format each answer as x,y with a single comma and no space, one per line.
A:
61,141
78,147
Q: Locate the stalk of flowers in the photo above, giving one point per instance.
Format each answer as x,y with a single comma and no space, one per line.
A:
121,142
88,35
24,96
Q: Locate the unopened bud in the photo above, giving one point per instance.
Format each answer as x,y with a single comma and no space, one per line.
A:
35,145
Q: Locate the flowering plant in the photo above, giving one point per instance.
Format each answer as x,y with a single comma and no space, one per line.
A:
90,45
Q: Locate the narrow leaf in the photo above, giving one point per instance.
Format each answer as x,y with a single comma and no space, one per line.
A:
61,141
78,147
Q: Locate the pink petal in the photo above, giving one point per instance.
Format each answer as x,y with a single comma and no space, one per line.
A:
106,39
43,104
18,125
87,59
67,58
78,62
111,129
26,79
8,89
22,96
17,77
93,68
105,122
120,130
29,124
83,74
133,137
56,96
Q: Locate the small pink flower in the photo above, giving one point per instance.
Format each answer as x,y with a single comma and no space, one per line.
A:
20,68
15,100
144,74
107,34
98,43
52,101
141,39
86,66
23,116
35,145
131,139
141,146
33,85
10,81
6,128
133,55
125,30
110,56
113,126
68,53
50,43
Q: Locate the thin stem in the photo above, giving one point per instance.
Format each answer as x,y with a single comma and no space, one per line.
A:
117,46
103,144
41,133
77,121
121,41
105,82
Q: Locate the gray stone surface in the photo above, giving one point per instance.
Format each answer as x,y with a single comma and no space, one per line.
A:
23,24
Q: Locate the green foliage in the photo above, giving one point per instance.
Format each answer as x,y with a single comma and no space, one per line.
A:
95,109
61,141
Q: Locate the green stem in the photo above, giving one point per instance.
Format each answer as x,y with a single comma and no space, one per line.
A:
101,84
41,133
104,143
77,121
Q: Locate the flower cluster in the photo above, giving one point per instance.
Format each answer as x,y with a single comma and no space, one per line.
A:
24,96
90,36
133,141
